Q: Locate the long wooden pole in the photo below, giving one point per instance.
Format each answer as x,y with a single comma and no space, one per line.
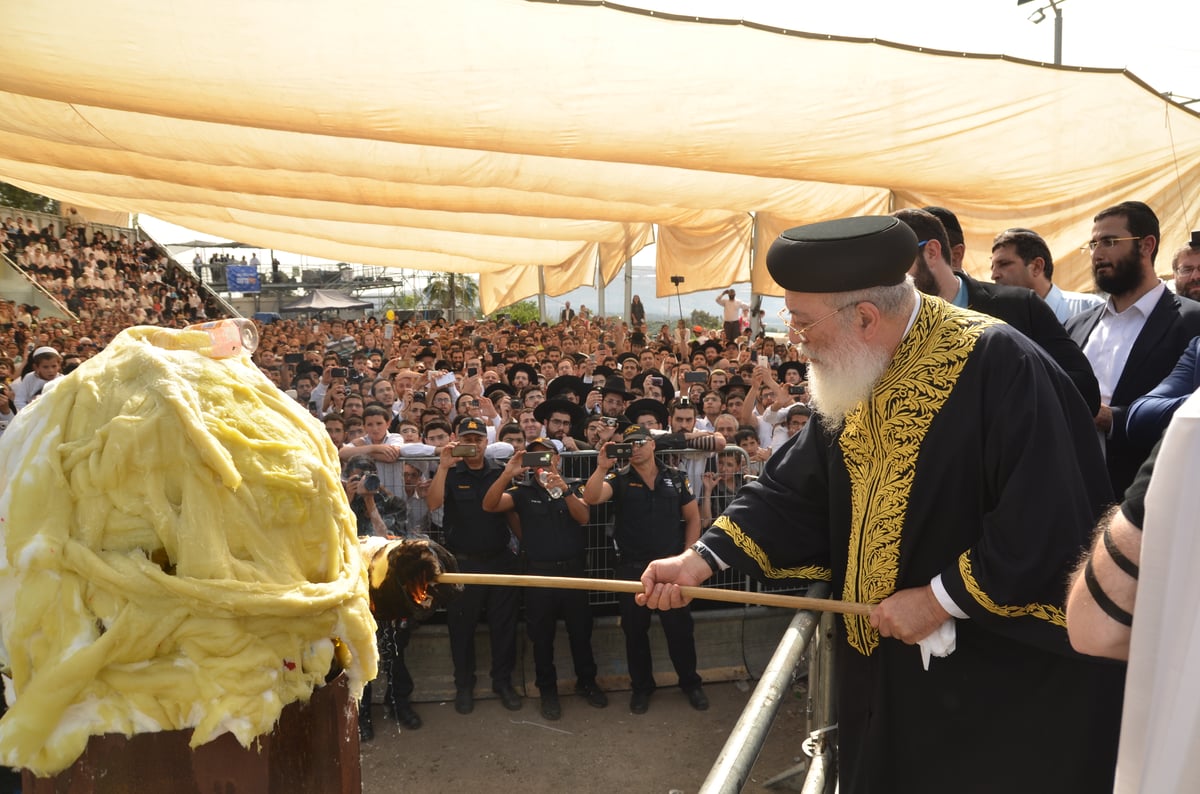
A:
622,586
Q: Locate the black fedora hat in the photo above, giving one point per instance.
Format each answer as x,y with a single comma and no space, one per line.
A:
648,406
607,372
574,410
782,369
567,383
617,390
495,387
668,389
735,383
521,366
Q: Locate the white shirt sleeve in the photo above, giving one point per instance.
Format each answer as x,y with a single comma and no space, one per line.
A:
943,597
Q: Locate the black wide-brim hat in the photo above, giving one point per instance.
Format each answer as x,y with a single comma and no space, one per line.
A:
577,413
568,383
617,390
735,383
606,371
495,387
843,255
626,355
521,366
648,406
668,389
785,366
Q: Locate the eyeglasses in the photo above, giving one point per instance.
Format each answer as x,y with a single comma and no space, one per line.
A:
801,332
1104,242
1187,271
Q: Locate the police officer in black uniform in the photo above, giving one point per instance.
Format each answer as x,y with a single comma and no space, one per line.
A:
553,519
655,512
480,542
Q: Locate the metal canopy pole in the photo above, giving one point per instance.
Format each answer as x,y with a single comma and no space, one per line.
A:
628,289
599,285
542,293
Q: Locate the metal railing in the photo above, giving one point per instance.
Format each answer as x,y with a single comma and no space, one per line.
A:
808,631
732,768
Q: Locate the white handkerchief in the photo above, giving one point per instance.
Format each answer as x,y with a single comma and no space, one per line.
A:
940,642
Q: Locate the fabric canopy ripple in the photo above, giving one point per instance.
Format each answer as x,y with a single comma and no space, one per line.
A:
504,137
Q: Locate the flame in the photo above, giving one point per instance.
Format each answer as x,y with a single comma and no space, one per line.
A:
419,591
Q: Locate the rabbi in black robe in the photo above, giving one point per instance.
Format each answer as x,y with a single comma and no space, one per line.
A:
950,478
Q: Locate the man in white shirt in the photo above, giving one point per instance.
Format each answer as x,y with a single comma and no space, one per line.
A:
1134,339
731,306
1021,258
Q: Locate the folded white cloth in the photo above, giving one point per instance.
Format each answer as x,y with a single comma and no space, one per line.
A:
940,642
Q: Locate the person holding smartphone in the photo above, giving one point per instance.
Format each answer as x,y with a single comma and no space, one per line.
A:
656,513
479,540
553,543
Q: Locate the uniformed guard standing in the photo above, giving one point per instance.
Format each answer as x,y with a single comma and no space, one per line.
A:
479,541
656,514
554,543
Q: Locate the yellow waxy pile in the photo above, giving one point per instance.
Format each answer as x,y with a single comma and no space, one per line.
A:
177,552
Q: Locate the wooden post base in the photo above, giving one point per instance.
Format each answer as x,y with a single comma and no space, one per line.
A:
313,748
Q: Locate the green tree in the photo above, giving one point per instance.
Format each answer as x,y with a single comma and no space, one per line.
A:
402,302
13,196
704,319
521,312
451,291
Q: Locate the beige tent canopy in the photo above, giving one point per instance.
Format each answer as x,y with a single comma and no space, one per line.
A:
503,136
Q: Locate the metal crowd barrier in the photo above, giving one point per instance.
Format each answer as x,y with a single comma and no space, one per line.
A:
732,768
601,559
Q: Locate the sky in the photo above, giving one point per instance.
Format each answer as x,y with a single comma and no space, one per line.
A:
1157,40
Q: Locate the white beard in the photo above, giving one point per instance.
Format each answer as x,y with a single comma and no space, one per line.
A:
842,377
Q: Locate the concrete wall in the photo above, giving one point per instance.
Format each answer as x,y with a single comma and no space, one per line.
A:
731,644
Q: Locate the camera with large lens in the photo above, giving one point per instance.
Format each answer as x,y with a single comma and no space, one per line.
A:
370,483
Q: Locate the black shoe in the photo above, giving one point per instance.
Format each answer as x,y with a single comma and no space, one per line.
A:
508,696
592,694
407,717
697,699
551,709
639,702
464,701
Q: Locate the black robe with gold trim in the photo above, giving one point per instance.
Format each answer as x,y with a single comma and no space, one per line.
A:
976,459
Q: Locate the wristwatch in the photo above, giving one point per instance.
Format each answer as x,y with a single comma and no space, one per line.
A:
706,555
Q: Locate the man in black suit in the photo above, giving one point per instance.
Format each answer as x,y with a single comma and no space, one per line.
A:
1135,338
1021,308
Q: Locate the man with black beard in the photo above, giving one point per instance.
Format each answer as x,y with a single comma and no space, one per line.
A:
950,481
1019,307
1134,339
1186,267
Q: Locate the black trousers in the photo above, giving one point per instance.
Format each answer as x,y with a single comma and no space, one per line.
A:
731,331
677,625
543,608
391,638
500,605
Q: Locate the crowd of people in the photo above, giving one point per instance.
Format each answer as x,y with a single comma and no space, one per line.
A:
965,439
